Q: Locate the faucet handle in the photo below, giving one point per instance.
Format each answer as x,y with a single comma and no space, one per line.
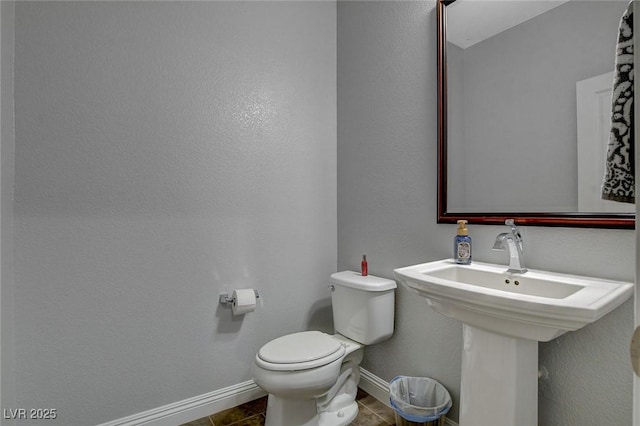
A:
514,231
512,224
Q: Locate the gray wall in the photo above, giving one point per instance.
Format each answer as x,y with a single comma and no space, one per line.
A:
7,135
167,152
387,209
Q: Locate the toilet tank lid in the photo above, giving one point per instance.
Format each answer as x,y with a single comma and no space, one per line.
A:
356,280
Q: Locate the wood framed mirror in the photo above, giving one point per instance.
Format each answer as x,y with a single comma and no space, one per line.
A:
541,215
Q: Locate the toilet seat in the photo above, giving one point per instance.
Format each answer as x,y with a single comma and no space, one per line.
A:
299,351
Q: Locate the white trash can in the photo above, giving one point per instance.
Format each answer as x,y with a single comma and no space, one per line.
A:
419,401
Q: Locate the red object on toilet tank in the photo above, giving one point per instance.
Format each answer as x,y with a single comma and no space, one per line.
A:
364,268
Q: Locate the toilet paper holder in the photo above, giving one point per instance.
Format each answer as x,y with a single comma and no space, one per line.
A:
225,299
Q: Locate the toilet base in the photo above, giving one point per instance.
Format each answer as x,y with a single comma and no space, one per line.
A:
291,412
341,417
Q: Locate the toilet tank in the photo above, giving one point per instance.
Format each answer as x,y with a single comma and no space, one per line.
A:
363,306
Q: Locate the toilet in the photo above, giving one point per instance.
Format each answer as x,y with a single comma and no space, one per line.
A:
312,377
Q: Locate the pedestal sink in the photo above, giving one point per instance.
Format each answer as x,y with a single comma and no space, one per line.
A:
504,317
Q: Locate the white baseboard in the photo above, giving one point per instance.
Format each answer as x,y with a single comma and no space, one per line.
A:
204,405
194,408
374,386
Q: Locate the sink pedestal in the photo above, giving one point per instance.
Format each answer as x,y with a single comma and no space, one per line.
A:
499,383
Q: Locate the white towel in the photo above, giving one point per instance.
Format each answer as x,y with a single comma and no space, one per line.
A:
619,179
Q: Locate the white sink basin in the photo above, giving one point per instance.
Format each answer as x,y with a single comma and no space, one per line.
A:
535,305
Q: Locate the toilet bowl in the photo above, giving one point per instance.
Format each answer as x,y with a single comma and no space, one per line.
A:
311,369
312,377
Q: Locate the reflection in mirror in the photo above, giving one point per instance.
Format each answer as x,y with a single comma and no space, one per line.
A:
525,101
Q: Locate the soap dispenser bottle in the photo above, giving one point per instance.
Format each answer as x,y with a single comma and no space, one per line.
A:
462,244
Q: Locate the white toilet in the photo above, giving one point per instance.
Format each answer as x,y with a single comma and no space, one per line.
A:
312,377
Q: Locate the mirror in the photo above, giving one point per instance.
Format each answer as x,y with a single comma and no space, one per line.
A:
515,138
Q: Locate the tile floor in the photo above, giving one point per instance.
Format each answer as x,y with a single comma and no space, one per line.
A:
371,413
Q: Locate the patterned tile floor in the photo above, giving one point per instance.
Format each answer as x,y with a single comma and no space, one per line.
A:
371,413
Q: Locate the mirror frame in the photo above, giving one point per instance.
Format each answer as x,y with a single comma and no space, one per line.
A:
568,219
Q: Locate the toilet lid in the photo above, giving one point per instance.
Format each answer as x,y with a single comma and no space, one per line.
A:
300,347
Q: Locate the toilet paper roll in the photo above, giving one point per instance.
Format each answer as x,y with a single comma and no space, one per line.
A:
244,301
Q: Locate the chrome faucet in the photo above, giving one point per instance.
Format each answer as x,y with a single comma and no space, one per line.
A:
513,241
